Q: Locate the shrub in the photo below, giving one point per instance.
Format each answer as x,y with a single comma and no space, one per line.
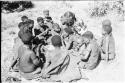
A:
12,6
102,9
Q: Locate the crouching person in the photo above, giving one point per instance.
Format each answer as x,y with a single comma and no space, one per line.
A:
107,42
90,55
28,63
60,65
54,57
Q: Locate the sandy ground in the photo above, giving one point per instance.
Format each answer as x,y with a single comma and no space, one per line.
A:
105,72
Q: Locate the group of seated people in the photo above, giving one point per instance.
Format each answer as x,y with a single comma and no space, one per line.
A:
54,52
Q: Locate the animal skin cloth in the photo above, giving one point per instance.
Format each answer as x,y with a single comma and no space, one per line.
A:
67,71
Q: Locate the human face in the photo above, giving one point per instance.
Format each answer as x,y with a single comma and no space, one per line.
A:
86,40
80,42
46,14
65,35
78,29
103,31
25,19
56,29
41,23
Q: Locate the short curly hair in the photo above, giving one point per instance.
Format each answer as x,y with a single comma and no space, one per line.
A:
68,31
107,29
40,19
68,18
106,22
56,40
24,17
88,34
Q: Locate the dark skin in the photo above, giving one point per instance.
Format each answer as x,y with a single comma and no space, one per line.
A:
30,56
55,57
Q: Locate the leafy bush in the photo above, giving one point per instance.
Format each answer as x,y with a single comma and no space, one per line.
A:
12,6
102,9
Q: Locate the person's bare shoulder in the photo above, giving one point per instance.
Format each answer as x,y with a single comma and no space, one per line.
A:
23,50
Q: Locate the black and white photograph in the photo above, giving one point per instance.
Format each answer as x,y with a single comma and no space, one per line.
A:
62,41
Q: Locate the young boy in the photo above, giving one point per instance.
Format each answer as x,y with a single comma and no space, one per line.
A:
21,25
55,56
80,27
68,19
107,43
90,55
56,29
47,18
30,24
67,37
24,19
40,31
28,63
77,43
39,28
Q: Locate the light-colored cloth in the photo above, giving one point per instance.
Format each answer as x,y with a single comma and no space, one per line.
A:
108,45
72,72
67,70
93,58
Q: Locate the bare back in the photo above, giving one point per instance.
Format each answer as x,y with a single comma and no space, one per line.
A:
26,63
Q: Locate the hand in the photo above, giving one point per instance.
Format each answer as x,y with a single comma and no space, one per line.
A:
45,75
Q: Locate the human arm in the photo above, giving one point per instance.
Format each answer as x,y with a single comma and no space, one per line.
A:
107,48
33,31
35,59
14,63
85,53
68,44
43,33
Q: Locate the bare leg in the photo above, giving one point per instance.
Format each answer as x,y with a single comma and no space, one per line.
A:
38,70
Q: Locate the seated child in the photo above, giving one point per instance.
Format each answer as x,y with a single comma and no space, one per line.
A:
56,29
90,56
47,18
68,19
80,27
39,28
54,57
40,31
61,65
30,24
24,19
21,25
77,43
28,63
107,43
68,37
